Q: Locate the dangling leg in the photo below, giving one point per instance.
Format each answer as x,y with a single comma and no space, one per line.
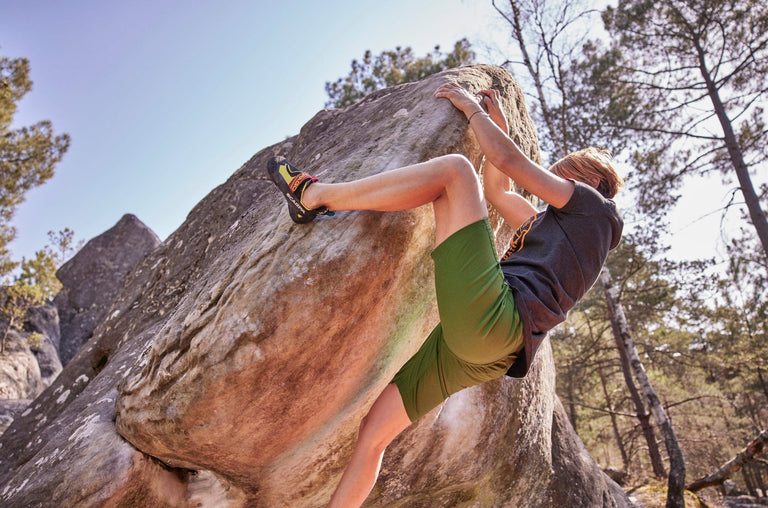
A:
385,420
452,186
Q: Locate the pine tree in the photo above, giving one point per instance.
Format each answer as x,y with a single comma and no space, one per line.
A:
700,69
392,68
27,154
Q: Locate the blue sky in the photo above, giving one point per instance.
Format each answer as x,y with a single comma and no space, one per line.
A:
165,99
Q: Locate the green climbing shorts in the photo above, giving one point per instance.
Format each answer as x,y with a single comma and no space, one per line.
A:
480,332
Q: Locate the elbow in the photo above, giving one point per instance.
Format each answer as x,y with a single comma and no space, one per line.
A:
504,161
494,191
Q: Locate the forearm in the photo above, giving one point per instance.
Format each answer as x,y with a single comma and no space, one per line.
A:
513,207
494,181
507,158
502,151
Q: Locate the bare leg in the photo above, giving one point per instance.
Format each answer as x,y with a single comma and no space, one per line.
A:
449,183
386,419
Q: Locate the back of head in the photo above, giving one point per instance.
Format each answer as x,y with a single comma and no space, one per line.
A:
592,166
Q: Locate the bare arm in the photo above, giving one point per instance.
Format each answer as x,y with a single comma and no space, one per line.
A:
503,152
513,207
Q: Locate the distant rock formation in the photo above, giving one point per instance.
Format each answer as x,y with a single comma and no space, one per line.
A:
235,364
20,376
93,278
44,319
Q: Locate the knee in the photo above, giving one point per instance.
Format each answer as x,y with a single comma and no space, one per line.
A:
457,162
458,168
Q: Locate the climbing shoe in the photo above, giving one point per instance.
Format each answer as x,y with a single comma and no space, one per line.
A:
292,183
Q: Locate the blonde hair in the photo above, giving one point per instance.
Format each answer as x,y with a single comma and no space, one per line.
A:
591,165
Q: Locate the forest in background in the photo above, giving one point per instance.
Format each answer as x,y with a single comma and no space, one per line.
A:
662,367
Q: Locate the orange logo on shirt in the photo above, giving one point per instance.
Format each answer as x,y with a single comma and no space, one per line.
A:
518,239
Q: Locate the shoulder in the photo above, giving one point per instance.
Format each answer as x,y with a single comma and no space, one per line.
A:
583,196
587,203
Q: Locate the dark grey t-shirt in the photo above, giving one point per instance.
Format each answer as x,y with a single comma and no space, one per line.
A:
553,259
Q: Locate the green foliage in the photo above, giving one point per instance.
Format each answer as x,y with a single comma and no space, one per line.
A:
699,68
16,299
27,158
392,68
41,270
35,340
36,282
27,154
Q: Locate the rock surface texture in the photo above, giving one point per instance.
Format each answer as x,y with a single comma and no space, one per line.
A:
10,409
235,365
93,278
44,320
20,376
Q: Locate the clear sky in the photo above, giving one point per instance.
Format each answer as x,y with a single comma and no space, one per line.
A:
165,99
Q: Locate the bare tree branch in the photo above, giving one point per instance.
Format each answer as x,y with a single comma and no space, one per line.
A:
754,448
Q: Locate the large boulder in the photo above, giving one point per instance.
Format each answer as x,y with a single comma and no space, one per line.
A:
31,362
241,354
20,376
93,278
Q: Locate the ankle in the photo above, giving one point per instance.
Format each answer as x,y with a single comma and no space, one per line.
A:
311,196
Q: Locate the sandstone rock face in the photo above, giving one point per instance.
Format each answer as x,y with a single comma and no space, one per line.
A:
93,278
10,409
19,372
28,368
44,320
244,350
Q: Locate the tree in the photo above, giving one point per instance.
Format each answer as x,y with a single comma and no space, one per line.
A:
27,154
570,71
557,61
17,299
600,370
676,483
40,271
36,283
700,68
392,68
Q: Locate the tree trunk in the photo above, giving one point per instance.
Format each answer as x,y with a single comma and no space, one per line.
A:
746,474
762,382
517,34
657,463
5,336
760,478
614,423
755,447
676,482
751,199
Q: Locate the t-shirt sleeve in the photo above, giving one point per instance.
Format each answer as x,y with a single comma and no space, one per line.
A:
587,203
